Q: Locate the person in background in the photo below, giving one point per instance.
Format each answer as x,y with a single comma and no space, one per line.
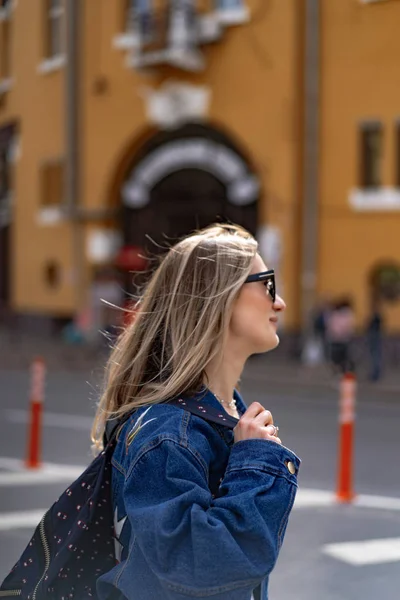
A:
340,334
374,333
320,325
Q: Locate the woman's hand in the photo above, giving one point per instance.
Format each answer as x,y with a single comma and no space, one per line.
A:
256,423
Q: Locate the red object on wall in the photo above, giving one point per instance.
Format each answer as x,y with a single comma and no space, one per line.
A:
131,258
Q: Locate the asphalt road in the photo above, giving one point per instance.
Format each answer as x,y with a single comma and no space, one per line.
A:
307,416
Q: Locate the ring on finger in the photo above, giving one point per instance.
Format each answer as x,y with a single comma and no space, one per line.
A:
276,430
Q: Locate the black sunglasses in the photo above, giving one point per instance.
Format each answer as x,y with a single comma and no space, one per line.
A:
268,279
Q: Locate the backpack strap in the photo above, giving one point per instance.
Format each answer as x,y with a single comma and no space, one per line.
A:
208,413
194,406
113,426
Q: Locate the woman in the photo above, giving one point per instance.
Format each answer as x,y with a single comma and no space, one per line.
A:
200,510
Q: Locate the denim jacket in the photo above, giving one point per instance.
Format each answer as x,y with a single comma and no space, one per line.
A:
196,516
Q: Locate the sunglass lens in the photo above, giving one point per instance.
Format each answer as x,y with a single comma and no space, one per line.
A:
270,285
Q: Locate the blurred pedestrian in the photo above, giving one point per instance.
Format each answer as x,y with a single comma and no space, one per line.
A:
340,335
200,509
320,325
374,333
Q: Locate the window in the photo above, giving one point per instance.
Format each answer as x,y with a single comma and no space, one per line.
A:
128,15
5,49
140,14
4,173
54,35
7,144
52,274
397,150
52,184
371,138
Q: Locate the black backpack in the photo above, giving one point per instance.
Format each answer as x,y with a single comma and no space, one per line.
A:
73,545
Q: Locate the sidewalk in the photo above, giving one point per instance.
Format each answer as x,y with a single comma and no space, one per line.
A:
17,353
18,350
276,368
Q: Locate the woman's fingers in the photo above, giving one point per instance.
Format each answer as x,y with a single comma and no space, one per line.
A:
257,422
264,418
253,411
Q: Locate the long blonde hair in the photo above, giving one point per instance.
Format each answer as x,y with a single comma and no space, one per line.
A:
180,326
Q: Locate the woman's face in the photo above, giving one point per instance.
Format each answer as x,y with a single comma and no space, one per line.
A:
255,316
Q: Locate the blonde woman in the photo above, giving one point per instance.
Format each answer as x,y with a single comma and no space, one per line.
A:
201,508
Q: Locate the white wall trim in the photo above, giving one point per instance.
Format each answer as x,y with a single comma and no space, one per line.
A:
52,64
233,16
383,199
124,41
175,103
209,28
50,215
371,1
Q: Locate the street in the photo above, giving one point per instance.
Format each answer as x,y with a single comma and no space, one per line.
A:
316,562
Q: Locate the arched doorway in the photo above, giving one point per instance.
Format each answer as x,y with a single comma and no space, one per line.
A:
185,179
179,181
384,281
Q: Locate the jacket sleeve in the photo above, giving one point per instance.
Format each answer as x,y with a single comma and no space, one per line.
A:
196,543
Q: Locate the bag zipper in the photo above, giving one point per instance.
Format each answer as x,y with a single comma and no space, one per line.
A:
46,549
9,593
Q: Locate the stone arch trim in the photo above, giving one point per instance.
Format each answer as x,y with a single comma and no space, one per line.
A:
196,152
156,154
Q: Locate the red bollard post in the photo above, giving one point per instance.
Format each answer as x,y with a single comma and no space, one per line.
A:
38,374
345,492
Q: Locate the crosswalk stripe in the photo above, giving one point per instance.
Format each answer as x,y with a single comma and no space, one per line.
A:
59,420
15,474
20,520
368,552
309,498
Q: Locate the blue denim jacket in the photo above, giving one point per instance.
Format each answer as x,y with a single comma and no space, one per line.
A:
196,516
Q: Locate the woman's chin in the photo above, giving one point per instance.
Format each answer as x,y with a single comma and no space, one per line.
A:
276,342
268,345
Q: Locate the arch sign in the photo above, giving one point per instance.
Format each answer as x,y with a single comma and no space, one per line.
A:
226,165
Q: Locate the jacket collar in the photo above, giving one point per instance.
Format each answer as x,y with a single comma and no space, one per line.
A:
205,404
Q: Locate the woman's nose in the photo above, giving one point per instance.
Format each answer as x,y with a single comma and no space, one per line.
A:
279,304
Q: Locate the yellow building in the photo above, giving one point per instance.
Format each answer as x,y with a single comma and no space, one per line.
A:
123,119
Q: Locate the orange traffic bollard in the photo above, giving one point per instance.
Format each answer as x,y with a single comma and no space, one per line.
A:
345,492
38,374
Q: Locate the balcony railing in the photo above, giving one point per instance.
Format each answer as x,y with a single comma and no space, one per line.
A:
174,35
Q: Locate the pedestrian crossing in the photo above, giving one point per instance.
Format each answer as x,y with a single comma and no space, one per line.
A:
355,553
365,552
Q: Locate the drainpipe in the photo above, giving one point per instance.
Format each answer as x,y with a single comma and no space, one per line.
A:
72,145
308,285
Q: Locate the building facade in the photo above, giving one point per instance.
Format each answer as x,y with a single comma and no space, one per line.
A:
125,124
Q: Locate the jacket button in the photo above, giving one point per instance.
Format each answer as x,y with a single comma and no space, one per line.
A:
291,467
